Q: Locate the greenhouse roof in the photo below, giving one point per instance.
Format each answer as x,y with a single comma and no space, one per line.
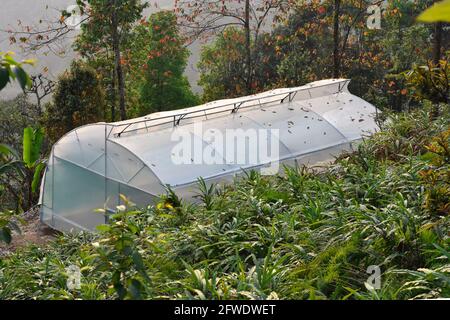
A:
319,115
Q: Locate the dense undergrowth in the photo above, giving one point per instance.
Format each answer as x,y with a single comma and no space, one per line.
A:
303,235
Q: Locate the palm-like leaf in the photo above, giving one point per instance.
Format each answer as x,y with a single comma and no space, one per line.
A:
439,12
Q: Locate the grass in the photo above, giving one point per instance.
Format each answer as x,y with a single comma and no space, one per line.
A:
301,235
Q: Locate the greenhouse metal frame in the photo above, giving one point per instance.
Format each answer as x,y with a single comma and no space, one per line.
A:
91,166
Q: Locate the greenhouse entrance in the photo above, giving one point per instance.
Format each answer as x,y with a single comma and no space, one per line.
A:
91,166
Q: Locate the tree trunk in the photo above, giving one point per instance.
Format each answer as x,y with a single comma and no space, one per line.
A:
29,176
248,47
113,95
118,64
121,82
39,105
437,47
336,59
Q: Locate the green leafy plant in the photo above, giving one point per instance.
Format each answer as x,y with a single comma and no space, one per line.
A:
160,59
430,82
9,159
29,169
206,193
119,254
9,162
11,70
427,283
439,12
7,225
26,171
33,163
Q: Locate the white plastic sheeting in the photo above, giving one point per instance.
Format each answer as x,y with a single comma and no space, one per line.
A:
92,165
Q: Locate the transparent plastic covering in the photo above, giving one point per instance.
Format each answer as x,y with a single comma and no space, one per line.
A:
91,166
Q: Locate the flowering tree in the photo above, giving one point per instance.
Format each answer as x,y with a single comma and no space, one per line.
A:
105,27
203,18
108,27
159,58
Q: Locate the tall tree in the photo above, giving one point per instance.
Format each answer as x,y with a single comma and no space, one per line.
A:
159,57
336,58
302,48
202,18
222,71
248,51
108,29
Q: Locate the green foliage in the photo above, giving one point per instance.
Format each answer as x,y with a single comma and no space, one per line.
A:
206,193
439,12
8,162
427,283
11,70
9,158
15,115
430,82
78,100
436,177
302,54
21,178
43,271
10,166
299,51
105,42
394,49
7,225
32,144
403,135
96,33
119,254
162,58
28,173
221,65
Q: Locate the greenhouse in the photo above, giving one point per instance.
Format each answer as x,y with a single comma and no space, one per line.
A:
91,166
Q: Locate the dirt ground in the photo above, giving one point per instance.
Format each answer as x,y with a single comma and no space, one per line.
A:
32,232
